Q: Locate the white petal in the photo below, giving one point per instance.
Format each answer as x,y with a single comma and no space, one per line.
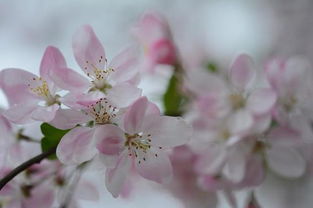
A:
167,131
116,177
286,161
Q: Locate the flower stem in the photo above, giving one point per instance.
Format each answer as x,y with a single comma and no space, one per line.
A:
25,165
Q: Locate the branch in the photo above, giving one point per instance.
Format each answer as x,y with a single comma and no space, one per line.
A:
25,165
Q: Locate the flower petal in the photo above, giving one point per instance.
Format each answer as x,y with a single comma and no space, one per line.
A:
77,146
68,118
124,94
261,101
109,139
286,161
156,166
68,79
20,113
124,65
45,114
167,131
88,50
234,169
134,116
240,122
14,83
242,72
50,62
115,178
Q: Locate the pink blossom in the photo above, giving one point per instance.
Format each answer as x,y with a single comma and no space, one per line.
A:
78,145
142,143
235,99
291,79
33,98
116,81
153,33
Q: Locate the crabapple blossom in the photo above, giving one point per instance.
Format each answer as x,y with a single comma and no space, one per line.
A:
33,98
153,32
117,81
141,142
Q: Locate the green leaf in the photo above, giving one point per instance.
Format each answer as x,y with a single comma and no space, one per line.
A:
52,137
173,99
212,67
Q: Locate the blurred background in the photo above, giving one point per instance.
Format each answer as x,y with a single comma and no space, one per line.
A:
216,29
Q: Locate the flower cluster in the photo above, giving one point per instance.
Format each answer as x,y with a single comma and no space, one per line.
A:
229,129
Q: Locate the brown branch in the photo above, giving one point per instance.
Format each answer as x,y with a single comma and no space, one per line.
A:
25,165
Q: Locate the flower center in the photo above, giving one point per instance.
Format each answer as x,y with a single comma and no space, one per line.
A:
237,101
99,76
289,103
102,111
138,145
40,87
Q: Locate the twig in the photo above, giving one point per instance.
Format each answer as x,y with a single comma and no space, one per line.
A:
25,165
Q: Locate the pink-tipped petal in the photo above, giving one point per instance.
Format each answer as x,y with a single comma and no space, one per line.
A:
116,177
68,118
68,79
45,113
134,116
167,131
51,61
156,166
286,161
242,72
261,101
15,85
240,122
77,146
124,65
88,51
20,114
124,94
235,167
109,139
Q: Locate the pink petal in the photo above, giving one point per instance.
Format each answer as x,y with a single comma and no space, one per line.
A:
79,101
45,113
87,48
68,79
284,136
14,83
20,113
211,161
235,167
124,94
240,122
50,62
261,101
286,161
242,72
77,146
295,73
116,177
261,123
110,139
156,166
124,65
68,118
134,116
167,131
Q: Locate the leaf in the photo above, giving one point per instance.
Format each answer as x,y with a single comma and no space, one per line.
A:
52,137
212,67
173,99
